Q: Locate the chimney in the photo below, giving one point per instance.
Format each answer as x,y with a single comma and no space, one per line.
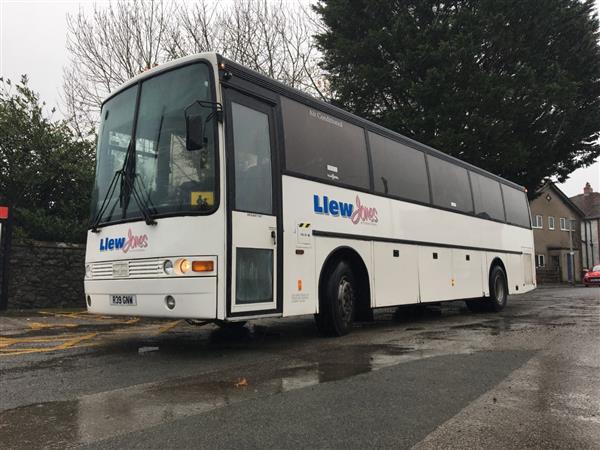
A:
587,190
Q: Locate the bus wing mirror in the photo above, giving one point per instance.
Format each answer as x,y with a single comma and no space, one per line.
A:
194,132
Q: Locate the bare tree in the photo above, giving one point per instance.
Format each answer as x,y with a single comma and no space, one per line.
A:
119,40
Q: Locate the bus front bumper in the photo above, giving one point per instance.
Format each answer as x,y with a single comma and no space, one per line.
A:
195,298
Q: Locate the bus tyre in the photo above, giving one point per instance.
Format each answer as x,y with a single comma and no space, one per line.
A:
498,290
337,301
498,294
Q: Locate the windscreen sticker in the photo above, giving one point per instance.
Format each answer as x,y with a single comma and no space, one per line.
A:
325,118
202,198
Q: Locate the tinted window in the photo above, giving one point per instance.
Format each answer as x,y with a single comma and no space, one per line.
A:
253,275
450,185
487,197
166,176
515,202
113,139
252,155
398,169
320,145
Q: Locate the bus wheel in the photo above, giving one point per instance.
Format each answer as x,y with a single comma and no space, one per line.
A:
337,301
498,294
498,290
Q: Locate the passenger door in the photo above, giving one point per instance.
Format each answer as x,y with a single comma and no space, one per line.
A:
252,204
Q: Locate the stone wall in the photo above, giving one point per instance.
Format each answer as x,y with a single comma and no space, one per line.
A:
46,275
547,275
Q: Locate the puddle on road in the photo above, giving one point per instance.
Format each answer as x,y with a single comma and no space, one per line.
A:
94,417
99,416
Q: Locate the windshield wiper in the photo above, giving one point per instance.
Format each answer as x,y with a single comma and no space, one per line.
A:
128,177
133,192
109,193
125,174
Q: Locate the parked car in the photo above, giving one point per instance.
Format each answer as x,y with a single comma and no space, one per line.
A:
592,277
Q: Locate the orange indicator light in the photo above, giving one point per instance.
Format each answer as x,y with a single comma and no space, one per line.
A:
203,266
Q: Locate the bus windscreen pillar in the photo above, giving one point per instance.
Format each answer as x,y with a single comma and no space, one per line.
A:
4,249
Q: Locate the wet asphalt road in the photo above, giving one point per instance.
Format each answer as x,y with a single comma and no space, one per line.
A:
443,378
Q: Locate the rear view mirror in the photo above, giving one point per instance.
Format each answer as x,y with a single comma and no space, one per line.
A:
197,115
194,132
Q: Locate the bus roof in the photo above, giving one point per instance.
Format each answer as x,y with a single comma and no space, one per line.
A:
210,56
295,94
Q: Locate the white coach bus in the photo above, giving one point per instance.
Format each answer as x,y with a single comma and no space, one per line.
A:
223,195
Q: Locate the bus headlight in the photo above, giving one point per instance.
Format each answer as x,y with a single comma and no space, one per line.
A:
168,267
88,271
182,266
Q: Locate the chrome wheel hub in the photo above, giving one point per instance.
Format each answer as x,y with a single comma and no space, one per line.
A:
499,289
346,297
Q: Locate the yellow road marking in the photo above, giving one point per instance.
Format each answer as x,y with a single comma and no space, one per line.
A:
6,341
70,315
76,315
169,326
68,343
41,325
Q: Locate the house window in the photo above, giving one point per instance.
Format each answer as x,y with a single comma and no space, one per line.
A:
550,223
564,224
540,261
538,222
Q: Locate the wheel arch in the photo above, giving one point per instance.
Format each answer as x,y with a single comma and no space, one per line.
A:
497,261
359,268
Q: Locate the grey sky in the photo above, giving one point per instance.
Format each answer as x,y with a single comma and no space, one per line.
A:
33,35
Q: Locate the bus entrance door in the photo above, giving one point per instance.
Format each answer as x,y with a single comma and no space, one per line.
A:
253,206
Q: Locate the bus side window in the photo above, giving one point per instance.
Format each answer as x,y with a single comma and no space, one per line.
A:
487,197
450,185
322,146
398,170
517,210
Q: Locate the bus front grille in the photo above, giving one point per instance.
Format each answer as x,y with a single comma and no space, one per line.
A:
137,268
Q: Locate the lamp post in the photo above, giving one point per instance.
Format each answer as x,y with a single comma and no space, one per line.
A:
571,253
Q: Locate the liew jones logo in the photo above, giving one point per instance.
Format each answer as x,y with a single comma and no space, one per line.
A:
131,242
357,212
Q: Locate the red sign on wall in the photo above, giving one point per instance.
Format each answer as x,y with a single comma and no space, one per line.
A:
3,212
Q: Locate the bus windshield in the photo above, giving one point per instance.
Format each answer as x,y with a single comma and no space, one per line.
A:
168,178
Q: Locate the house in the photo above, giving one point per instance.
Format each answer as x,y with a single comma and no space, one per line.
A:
556,222
589,203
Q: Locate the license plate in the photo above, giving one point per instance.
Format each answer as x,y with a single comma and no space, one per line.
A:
121,270
123,300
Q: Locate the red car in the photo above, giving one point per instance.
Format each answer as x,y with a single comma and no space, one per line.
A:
592,277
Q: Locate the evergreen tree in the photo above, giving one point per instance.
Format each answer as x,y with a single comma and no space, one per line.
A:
46,173
510,86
